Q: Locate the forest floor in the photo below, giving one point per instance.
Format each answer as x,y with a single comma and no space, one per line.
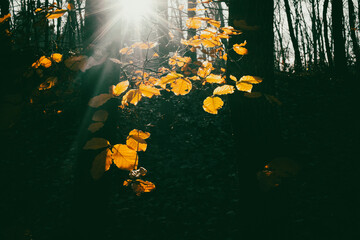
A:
191,159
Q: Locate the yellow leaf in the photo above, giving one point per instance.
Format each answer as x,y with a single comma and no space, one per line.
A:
132,96
56,57
100,116
56,14
136,143
70,6
222,90
212,78
155,55
147,45
4,18
205,69
96,143
101,164
233,78
181,86
124,157
225,57
244,86
214,23
139,133
43,61
49,83
195,78
240,50
76,63
148,91
212,104
126,50
251,79
210,43
99,100
119,88
94,127
170,78
194,22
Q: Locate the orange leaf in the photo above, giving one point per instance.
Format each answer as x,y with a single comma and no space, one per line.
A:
99,100
49,83
100,116
244,86
251,79
139,133
240,50
96,143
4,18
56,14
126,50
171,77
136,143
101,164
124,157
205,69
212,104
56,57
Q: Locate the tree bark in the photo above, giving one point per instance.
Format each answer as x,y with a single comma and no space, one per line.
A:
292,36
326,34
339,39
352,21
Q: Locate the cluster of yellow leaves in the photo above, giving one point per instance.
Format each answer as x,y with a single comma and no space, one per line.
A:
245,83
47,62
179,61
124,156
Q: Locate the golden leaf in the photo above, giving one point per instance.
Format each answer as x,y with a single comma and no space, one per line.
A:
139,133
170,78
210,43
251,79
100,116
181,86
155,55
205,69
140,186
240,50
56,57
214,23
96,143
147,45
233,78
212,104
49,83
99,100
124,157
126,50
70,6
148,91
94,127
212,78
133,96
225,57
120,88
76,63
225,89
56,14
194,22
136,143
101,164
43,61
244,86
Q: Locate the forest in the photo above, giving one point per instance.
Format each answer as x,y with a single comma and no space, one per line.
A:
179,119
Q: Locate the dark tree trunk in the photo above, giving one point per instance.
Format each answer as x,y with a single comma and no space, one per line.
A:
191,32
5,40
339,39
314,31
292,36
72,25
253,120
163,28
352,20
326,34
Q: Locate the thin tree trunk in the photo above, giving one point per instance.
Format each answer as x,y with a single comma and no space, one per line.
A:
352,21
191,32
326,34
163,28
339,39
292,36
314,31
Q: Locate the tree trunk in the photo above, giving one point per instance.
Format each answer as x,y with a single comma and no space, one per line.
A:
314,31
191,31
163,28
352,20
326,34
253,120
339,39
292,36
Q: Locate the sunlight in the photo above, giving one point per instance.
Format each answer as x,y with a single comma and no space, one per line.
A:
135,10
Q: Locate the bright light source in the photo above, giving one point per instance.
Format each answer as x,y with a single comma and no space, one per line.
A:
135,9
